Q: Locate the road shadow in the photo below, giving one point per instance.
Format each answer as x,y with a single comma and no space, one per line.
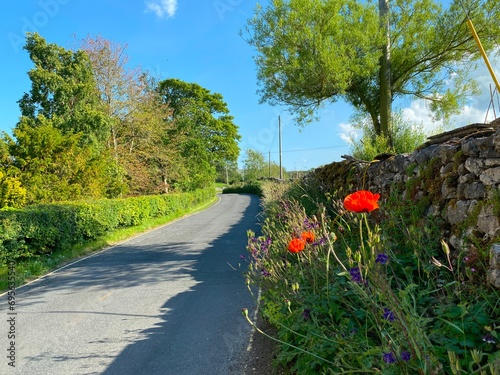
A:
203,330
199,330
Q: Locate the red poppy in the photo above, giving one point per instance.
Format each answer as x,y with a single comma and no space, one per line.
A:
361,201
296,245
308,237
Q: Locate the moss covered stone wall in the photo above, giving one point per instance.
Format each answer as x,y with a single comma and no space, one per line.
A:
456,175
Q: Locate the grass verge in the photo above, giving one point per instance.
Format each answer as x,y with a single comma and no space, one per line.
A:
33,268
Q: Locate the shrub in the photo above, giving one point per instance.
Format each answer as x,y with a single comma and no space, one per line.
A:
46,228
405,137
252,188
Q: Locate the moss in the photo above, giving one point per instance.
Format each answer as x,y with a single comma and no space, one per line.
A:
428,180
459,158
410,170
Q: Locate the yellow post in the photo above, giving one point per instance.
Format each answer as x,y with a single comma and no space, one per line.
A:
476,37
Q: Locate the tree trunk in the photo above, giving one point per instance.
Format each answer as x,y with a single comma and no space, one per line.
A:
165,181
385,73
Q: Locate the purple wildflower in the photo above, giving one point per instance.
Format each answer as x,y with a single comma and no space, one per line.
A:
388,315
389,358
405,356
356,275
310,224
489,339
306,314
264,272
382,258
242,256
320,242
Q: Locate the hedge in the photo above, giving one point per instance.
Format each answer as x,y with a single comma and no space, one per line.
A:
43,229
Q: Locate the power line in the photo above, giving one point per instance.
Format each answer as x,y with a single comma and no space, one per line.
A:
308,149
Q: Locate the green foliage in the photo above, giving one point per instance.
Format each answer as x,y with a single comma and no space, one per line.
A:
313,52
404,137
256,167
139,128
92,128
228,172
209,135
64,91
12,193
252,188
373,292
43,229
55,167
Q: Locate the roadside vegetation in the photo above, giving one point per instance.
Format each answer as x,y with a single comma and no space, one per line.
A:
356,288
40,239
91,127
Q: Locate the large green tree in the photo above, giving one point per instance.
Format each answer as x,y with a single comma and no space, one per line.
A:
209,135
63,90
59,151
254,165
316,51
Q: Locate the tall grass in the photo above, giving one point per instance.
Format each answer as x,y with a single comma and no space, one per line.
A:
372,293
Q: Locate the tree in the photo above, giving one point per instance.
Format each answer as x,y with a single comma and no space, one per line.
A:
55,167
316,51
63,90
149,144
406,137
228,172
254,166
118,85
59,150
202,120
12,193
140,120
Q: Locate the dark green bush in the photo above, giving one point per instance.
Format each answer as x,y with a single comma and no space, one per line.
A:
252,188
42,229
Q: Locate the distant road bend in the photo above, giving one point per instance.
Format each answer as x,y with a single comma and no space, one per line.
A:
165,302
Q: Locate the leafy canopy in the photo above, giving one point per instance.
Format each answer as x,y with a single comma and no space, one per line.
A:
209,135
63,90
311,52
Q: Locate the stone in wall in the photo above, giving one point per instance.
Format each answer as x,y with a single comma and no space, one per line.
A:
488,223
494,271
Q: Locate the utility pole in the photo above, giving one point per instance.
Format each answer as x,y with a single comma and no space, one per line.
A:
281,166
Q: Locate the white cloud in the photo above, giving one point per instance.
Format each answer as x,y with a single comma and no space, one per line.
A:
477,110
162,8
348,133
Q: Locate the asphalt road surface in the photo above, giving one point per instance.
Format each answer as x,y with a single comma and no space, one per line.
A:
165,302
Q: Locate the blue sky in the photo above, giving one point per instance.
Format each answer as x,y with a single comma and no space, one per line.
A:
195,43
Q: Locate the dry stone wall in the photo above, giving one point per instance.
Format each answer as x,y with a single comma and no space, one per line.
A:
455,174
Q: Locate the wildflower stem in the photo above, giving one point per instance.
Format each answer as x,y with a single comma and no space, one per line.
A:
245,313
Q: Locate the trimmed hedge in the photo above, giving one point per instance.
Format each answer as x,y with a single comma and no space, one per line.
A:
46,228
252,188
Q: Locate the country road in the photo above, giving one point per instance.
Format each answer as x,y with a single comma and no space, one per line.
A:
165,302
